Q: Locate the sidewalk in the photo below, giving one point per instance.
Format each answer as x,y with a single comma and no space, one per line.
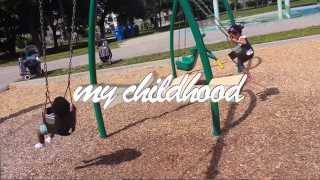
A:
158,63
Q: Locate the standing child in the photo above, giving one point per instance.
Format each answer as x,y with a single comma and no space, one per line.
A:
243,50
105,53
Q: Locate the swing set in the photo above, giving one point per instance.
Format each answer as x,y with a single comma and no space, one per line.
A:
60,117
185,63
64,113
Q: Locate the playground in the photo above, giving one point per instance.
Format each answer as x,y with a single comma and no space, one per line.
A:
272,133
262,137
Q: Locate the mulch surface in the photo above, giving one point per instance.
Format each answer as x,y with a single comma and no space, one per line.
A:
273,133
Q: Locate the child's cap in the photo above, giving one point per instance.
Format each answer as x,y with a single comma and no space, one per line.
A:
235,29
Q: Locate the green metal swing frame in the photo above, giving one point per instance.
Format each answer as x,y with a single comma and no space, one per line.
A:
200,49
188,63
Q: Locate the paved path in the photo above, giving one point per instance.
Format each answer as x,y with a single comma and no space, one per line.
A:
154,64
159,42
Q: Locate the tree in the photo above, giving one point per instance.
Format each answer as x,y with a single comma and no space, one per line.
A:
22,17
29,20
10,20
101,14
235,5
127,9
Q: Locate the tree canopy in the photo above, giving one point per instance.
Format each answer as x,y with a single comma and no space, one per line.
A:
21,17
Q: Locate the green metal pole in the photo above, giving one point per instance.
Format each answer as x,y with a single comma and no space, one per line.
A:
229,12
204,60
92,66
172,22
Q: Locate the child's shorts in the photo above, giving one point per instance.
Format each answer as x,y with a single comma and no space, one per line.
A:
242,53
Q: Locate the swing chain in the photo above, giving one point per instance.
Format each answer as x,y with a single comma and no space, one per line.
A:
203,9
207,12
43,47
185,32
179,38
71,43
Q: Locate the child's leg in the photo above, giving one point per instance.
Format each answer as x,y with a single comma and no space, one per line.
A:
41,140
240,65
43,130
41,137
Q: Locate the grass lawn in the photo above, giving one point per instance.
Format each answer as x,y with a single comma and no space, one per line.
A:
55,56
216,46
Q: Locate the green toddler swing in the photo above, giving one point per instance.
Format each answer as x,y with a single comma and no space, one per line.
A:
187,63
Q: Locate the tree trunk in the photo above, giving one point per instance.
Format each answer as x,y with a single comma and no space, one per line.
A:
54,36
36,39
160,18
34,33
101,25
12,44
51,20
61,12
155,22
12,47
11,39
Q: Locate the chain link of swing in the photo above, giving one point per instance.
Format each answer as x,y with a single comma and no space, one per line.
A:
44,45
185,24
185,33
71,44
208,13
43,48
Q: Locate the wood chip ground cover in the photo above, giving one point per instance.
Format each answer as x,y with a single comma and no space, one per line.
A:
272,136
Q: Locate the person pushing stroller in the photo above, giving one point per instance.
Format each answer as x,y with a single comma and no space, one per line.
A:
30,63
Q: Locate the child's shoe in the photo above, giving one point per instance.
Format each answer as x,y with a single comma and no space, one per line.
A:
39,145
48,139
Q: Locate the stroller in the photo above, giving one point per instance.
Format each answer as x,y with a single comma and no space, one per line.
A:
105,53
30,63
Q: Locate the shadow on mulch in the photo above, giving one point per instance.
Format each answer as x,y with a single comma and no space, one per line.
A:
148,118
268,92
20,112
217,149
115,158
124,155
256,63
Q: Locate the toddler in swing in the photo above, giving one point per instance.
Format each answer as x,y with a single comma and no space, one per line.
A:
243,50
59,119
